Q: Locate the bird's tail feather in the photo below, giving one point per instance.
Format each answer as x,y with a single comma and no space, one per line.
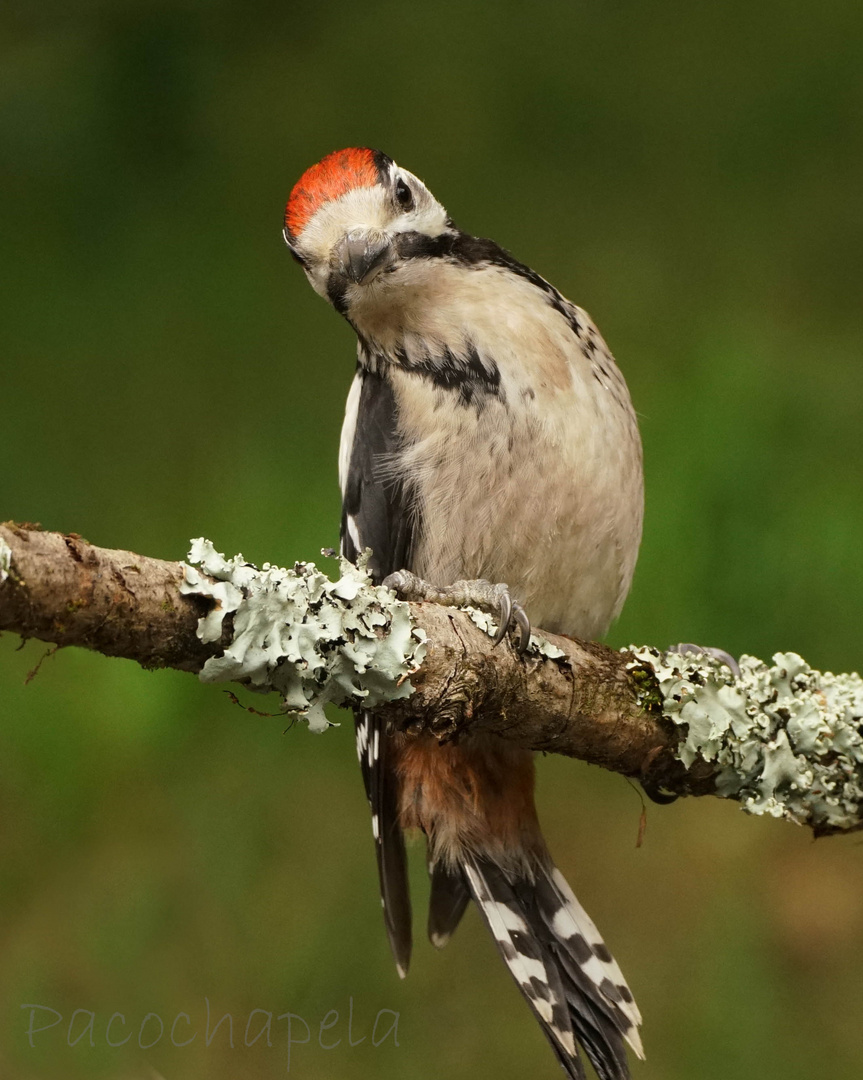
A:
381,783
561,965
448,898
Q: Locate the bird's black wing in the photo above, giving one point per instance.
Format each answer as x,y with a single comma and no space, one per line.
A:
377,513
376,507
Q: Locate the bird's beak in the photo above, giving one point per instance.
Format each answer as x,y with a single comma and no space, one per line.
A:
362,254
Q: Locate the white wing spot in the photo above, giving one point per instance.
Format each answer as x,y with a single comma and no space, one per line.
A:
354,532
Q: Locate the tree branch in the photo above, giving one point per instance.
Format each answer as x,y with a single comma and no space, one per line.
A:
782,739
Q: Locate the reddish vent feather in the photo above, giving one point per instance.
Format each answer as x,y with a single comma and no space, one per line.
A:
337,174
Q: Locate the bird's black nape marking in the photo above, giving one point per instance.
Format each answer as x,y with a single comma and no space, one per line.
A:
383,163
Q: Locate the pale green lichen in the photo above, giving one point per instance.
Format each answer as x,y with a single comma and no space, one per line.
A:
310,639
787,740
537,646
5,560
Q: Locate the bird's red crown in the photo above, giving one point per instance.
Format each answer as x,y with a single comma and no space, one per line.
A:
335,175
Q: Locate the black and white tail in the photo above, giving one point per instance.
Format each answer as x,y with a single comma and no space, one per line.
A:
561,964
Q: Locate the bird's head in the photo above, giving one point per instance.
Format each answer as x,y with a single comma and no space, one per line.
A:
356,219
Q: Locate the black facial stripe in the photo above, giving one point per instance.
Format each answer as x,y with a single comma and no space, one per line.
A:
337,288
467,250
417,245
478,252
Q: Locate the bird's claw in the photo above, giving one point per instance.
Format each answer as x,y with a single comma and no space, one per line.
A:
494,599
510,613
504,615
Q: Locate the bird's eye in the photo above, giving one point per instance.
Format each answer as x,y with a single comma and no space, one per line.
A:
404,195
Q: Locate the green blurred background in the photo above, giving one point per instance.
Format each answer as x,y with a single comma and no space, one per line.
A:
691,174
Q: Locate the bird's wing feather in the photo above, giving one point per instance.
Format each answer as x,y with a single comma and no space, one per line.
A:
448,898
376,514
376,506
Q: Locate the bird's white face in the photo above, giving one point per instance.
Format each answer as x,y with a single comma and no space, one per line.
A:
355,220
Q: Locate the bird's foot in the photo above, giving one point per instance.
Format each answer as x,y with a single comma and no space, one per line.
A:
718,654
494,599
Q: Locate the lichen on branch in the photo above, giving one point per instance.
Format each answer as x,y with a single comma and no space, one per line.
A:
309,639
781,738
787,740
5,560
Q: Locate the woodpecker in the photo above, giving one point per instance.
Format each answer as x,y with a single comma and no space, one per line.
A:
488,436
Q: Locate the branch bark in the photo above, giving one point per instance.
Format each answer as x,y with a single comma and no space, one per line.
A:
62,589
581,699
